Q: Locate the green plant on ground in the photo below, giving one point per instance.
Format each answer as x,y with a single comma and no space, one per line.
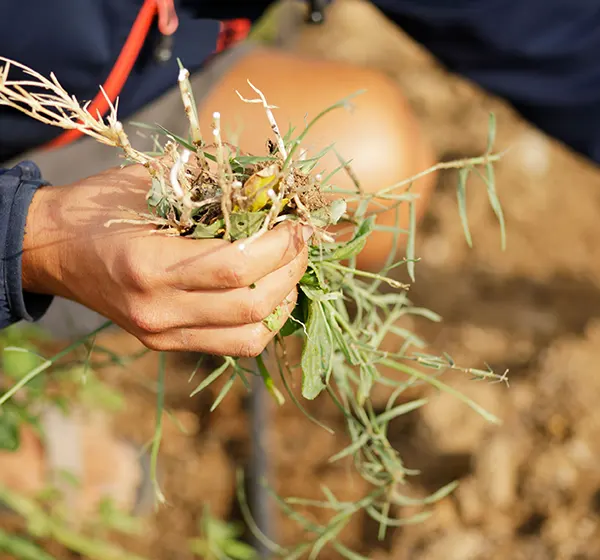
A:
203,189
220,540
44,515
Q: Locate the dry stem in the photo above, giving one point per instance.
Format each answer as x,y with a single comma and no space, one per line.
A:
54,106
222,175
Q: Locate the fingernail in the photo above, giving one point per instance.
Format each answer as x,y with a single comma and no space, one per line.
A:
307,232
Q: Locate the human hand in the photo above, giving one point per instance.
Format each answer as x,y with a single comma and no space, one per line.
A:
171,293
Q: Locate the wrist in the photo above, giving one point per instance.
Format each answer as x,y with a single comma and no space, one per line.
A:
40,262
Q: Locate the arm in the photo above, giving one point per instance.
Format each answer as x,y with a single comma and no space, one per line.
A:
17,187
540,55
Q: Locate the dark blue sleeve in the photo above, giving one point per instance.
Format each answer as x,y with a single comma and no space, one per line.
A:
17,187
543,56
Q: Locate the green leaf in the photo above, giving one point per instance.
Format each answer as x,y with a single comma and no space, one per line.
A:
204,231
461,194
321,217
157,200
400,410
9,431
410,244
181,141
308,165
12,417
208,380
441,493
274,322
310,278
435,382
357,243
338,334
24,549
317,354
223,393
337,209
352,448
268,381
331,533
245,224
368,374
329,215
18,363
246,161
295,142
412,520
495,202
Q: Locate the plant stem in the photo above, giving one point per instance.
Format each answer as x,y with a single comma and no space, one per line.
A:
160,403
43,367
48,527
268,380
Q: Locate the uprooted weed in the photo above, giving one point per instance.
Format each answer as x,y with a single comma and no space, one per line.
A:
202,189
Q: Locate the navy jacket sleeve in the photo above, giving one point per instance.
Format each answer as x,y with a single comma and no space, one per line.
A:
17,187
543,56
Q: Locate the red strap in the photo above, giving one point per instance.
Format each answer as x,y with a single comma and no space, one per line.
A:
230,32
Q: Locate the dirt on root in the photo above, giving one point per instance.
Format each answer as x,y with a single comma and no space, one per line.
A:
530,488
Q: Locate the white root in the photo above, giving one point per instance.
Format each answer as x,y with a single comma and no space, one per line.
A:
189,105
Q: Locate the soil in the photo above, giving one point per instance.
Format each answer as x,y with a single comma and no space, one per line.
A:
530,488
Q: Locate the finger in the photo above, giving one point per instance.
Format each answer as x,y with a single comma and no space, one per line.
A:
241,341
238,306
197,265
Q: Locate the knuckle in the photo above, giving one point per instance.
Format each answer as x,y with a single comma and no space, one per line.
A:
146,319
231,276
136,273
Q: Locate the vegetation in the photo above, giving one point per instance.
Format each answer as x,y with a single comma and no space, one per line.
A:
210,189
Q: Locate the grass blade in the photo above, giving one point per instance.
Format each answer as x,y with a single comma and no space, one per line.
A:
461,194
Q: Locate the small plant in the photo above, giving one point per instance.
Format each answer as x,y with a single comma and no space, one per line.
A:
220,541
210,189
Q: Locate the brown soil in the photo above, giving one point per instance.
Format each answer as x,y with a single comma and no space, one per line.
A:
530,489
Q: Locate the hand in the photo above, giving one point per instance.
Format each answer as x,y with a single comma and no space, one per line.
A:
171,293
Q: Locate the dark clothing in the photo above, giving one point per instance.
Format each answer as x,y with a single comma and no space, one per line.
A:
17,187
541,55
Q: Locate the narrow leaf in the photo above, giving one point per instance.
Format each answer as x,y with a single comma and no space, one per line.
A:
208,380
461,194
400,410
410,244
495,202
351,449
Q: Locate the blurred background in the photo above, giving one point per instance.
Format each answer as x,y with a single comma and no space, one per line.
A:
529,489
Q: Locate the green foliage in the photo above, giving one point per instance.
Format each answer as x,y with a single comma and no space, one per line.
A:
221,541
343,317
21,548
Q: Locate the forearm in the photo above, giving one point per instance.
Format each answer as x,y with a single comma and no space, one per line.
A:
17,188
